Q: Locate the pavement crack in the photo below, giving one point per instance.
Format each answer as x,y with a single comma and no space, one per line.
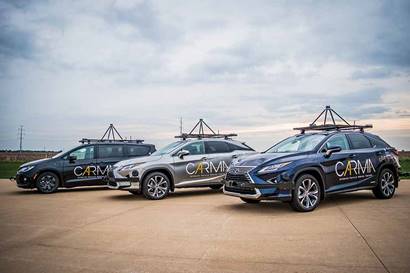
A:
364,239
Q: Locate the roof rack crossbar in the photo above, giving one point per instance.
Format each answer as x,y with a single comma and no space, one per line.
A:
328,111
200,126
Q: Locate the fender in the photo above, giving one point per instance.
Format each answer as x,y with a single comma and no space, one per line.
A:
315,169
159,169
390,165
55,171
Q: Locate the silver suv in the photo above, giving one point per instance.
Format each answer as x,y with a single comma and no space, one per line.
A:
182,164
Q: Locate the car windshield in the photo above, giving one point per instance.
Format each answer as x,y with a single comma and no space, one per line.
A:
167,149
59,154
299,143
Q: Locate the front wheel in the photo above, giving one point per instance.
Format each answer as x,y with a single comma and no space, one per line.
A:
47,182
156,186
386,185
306,196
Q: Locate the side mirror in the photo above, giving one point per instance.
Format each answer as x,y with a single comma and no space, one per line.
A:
332,150
72,158
182,153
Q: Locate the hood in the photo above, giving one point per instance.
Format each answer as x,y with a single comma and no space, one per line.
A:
258,159
139,160
35,162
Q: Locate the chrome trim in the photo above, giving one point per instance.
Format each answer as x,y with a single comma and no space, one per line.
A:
250,196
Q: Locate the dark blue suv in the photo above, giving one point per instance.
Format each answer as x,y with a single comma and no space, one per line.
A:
305,168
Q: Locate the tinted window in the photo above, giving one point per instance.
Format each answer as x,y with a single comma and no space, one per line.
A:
234,147
196,148
134,150
338,141
214,147
359,141
299,143
84,153
377,143
107,151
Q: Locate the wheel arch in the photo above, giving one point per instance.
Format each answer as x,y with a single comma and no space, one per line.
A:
161,170
60,178
391,167
316,173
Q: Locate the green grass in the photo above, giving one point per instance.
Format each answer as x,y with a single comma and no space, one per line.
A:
9,168
405,165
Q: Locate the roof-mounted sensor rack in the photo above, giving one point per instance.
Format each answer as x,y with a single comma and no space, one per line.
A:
325,126
109,136
201,124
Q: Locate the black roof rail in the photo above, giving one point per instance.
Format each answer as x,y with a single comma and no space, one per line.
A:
201,124
329,112
109,136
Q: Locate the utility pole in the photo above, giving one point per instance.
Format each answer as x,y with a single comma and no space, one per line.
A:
20,130
180,126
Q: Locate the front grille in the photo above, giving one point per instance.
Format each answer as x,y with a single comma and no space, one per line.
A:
237,177
242,190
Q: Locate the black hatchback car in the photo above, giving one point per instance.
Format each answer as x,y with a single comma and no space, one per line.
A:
85,165
305,168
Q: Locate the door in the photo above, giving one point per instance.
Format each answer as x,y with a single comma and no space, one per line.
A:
220,155
192,167
363,167
79,167
107,156
335,166
137,150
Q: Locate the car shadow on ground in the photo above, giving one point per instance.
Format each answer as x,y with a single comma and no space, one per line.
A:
177,194
60,191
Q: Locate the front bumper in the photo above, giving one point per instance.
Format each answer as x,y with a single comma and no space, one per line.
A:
122,183
25,181
266,191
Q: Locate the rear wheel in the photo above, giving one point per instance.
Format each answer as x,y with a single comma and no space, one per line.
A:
216,187
156,186
47,182
386,185
250,201
306,196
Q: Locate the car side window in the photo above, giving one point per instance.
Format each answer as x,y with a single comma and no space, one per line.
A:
215,147
338,141
135,150
376,143
109,151
359,141
234,147
195,148
83,153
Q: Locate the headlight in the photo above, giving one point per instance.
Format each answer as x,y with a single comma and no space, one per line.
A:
25,169
128,167
272,168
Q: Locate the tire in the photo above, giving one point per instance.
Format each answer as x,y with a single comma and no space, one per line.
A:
47,182
386,185
306,196
135,192
156,186
250,201
216,187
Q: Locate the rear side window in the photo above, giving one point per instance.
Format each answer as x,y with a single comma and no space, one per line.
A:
215,147
359,141
108,151
234,147
377,143
135,150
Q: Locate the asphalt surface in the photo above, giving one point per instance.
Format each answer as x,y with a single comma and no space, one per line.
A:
199,230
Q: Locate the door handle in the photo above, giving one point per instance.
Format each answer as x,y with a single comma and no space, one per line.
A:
204,158
235,156
352,155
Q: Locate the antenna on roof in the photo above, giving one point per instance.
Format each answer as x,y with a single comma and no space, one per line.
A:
201,125
329,123
109,136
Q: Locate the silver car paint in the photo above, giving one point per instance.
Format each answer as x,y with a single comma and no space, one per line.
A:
189,171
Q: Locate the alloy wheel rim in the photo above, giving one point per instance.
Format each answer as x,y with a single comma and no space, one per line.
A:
47,183
308,193
157,186
387,184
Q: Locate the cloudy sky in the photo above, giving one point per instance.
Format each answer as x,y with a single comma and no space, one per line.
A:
257,68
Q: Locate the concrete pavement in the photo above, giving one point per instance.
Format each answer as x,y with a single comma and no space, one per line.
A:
199,230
